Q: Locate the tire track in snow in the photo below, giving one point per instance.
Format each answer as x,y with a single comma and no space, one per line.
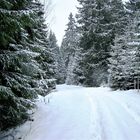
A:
95,128
128,110
111,128
97,117
118,123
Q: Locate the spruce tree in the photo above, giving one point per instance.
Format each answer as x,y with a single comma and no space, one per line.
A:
45,59
69,47
57,55
23,60
99,23
125,56
15,88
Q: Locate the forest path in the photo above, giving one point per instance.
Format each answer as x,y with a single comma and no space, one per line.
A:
78,113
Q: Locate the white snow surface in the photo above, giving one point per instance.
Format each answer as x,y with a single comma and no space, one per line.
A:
78,113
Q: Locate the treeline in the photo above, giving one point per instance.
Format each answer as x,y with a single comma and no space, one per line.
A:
28,63
101,45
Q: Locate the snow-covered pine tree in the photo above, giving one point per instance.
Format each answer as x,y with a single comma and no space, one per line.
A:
124,62
15,88
125,56
99,22
69,47
20,70
46,79
59,62
74,71
117,63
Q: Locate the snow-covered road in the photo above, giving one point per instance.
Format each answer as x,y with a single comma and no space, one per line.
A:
77,113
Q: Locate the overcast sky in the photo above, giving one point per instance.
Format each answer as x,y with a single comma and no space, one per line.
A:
59,11
59,16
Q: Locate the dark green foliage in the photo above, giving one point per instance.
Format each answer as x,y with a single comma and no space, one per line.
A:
58,60
13,110
125,55
99,23
26,63
14,5
15,88
69,49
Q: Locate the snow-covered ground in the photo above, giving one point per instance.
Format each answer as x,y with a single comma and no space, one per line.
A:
78,113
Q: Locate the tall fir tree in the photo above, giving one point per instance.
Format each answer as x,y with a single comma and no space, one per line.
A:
99,23
125,55
57,55
69,47
21,71
45,59
14,83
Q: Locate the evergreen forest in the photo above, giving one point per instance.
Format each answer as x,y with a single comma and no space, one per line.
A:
101,47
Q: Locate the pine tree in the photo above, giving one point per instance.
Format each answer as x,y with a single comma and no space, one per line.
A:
59,63
45,59
15,89
69,48
117,63
99,23
23,60
124,61
74,72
